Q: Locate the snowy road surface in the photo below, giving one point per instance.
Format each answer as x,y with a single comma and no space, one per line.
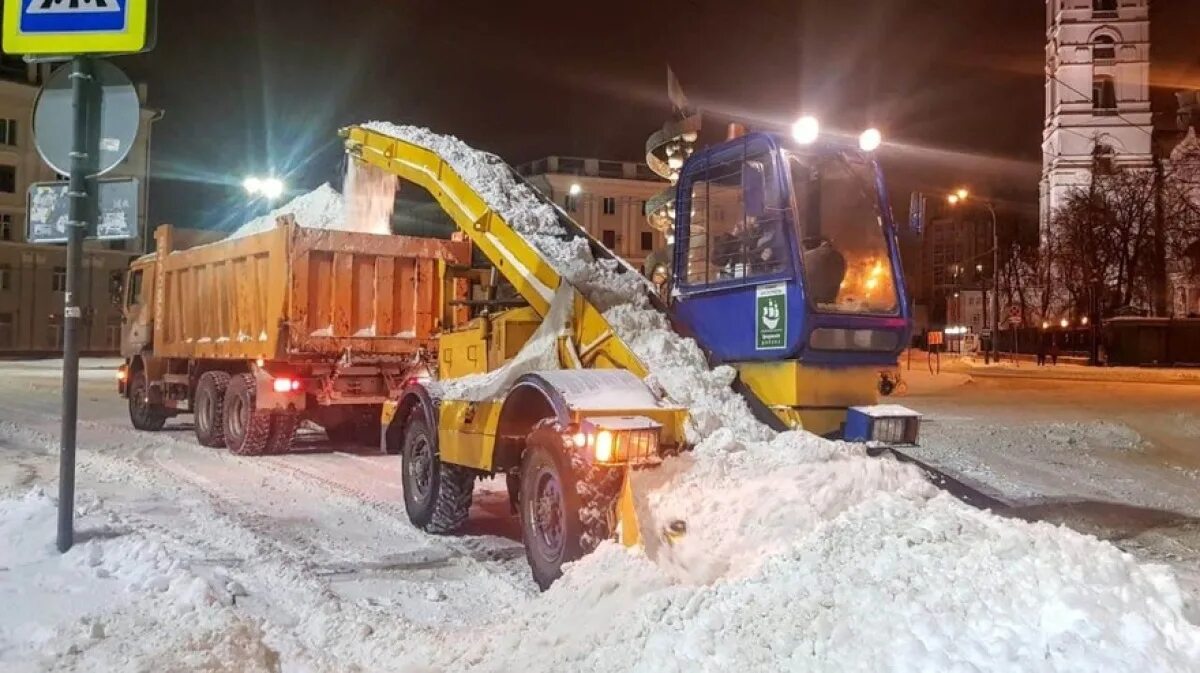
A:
1120,460
307,562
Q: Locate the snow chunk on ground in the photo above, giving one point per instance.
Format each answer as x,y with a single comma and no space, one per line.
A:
117,601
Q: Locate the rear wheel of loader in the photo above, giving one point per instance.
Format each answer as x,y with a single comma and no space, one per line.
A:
144,414
564,508
437,496
210,408
246,430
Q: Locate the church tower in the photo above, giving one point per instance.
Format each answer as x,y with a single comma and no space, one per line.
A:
1097,93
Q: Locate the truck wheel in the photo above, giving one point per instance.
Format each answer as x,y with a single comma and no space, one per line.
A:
142,413
210,408
437,496
564,509
283,430
246,429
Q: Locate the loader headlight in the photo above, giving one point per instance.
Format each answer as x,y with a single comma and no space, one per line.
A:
616,440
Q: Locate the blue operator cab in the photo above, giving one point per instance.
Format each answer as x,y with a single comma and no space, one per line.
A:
786,266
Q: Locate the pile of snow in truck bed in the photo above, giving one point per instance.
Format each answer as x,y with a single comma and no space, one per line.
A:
805,554
322,208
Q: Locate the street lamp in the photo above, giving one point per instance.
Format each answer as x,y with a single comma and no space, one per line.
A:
1063,323
806,130
575,189
958,196
268,188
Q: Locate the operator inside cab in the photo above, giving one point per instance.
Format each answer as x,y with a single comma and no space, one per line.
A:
825,269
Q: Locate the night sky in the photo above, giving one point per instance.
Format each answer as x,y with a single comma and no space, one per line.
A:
261,85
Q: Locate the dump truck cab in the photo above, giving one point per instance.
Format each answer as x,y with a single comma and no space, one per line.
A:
793,246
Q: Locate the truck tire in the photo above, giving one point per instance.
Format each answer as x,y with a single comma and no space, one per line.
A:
283,430
246,429
564,508
437,496
210,408
144,414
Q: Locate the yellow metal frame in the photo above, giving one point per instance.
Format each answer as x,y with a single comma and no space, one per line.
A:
129,41
810,397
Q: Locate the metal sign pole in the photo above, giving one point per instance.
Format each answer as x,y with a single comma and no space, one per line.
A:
81,155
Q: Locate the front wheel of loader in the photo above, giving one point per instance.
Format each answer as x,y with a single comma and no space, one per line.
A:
437,496
564,507
246,429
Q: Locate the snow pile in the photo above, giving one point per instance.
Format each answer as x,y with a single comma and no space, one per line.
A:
117,601
322,208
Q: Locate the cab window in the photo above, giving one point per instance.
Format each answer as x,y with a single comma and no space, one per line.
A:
135,288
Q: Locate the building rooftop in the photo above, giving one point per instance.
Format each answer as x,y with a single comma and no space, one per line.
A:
596,168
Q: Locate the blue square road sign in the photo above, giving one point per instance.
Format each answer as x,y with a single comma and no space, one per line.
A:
61,27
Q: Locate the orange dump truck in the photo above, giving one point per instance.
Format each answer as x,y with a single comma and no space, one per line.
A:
255,334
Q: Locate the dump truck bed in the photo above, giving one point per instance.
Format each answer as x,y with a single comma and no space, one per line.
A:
293,292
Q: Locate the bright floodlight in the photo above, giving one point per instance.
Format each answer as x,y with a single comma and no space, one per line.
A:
870,140
575,189
806,129
252,185
962,194
953,199
1064,322
272,188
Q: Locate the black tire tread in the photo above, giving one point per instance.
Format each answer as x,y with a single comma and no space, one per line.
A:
452,505
151,420
258,426
219,381
283,430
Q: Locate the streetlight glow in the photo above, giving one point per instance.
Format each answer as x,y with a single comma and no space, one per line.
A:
272,188
870,140
952,199
806,129
1083,320
268,188
1064,322
575,189
962,194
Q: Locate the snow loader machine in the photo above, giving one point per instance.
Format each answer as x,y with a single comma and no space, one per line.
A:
785,265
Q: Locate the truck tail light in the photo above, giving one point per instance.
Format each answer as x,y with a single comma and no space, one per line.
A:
122,374
286,385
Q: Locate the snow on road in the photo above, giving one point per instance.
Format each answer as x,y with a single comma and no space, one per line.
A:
801,554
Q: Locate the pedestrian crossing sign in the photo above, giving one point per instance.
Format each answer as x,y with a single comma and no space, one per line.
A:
70,27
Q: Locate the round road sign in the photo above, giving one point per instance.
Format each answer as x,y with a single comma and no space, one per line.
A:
115,127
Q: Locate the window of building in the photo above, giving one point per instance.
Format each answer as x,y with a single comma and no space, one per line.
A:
1104,95
8,179
1104,48
8,132
116,285
571,203
609,238
647,241
112,333
58,282
642,208
6,225
6,330
610,205
54,332
5,277
1104,7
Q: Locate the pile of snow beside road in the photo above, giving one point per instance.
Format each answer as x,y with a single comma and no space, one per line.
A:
117,601
803,553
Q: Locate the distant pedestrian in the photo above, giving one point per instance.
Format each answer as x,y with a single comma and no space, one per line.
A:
1041,351
1053,351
